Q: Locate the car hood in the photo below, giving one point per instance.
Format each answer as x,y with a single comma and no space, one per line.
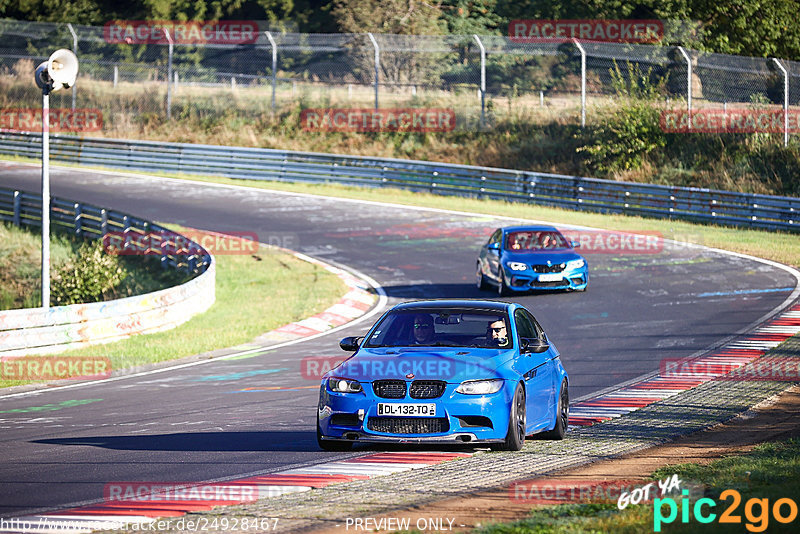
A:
425,363
543,256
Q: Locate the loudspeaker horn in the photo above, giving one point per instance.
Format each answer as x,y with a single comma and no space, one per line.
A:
58,72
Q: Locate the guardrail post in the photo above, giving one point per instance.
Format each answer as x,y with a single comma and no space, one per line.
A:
169,75
688,83
17,205
583,81
163,246
75,50
377,65
785,101
274,66
483,80
76,221
103,222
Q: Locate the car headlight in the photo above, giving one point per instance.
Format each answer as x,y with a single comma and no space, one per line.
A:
575,264
342,385
517,266
480,387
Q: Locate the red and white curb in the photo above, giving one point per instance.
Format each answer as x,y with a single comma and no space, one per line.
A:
111,514
352,305
715,366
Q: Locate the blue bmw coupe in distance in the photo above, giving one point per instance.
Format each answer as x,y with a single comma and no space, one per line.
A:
522,258
446,371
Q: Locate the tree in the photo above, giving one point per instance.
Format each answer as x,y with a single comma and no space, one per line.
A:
467,17
403,17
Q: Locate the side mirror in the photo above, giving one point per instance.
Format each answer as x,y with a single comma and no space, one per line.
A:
534,345
576,244
493,246
350,344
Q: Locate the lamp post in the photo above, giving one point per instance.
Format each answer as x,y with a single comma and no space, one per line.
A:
58,72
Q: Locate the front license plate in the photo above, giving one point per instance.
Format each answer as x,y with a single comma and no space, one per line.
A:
557,277
407,410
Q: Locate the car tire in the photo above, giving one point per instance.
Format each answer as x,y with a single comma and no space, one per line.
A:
480,279
502,290
332,446
562,415
517,423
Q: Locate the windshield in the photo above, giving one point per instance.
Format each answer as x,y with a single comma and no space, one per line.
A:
442,328
541,240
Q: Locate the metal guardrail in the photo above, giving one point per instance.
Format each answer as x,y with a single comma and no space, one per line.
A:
40,330
571,192
21,208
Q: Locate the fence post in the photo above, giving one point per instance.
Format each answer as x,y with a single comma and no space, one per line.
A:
377,64
688,83
169,75
583,81
274,66
785,101
483,80
75,50
17,205
116,76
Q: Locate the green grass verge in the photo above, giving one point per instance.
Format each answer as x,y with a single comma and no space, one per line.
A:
21,260
783,247
254,294
20,264
771,471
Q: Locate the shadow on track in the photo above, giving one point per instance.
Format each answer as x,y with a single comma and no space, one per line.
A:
455,291
199,442
236,442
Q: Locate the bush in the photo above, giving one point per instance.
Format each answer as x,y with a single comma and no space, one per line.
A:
628,133
88,277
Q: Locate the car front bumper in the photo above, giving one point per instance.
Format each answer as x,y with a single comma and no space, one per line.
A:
574,279
459,418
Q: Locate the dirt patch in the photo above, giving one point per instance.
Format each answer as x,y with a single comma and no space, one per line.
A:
777,418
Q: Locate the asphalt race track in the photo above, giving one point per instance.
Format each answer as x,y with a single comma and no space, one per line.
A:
218,421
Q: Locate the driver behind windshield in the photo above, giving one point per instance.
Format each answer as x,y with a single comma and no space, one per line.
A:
496,333
423,329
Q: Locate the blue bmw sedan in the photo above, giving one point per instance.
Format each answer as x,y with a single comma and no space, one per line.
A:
522,258
446,371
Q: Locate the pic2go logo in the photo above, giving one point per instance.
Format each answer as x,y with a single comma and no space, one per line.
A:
757,521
